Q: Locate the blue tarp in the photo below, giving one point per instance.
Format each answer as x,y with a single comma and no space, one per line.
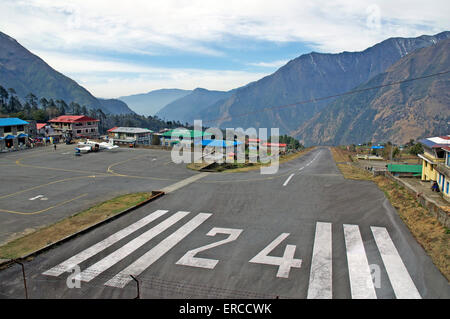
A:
218,143
9,137
377,147
22,135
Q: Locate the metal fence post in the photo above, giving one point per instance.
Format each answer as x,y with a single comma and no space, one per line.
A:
138,291
24,278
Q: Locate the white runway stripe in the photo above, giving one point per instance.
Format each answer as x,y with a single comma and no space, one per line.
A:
288,179
95,249
361,284
320,279
116,256
122,278
401,281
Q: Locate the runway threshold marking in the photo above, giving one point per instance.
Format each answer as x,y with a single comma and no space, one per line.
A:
399,277
119,254
102,245
361,284
42,210
320,279
136,268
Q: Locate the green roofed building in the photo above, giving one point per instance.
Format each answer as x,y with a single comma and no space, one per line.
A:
404,170
173,136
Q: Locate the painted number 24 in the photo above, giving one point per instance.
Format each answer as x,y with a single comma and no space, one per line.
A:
284,263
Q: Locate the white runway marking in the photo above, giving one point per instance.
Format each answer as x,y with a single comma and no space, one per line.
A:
361,284
288,179
184,182
320,279
401,281
123,278
284,263
95,249
36,197
119,254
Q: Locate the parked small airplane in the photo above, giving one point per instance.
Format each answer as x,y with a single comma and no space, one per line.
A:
92,146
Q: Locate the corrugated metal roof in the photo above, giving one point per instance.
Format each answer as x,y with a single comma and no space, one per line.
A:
218,143
184,133
403,168
73,119
132,130
10,121
436,142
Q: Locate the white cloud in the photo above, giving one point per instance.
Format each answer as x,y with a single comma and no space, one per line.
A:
53,28
272,64
193,25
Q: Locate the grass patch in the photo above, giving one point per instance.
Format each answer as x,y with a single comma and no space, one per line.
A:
425,227
70,225
341,155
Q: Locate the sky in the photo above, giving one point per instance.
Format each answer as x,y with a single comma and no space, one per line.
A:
116,48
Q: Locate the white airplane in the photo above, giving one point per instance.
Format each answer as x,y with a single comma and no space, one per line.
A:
89,146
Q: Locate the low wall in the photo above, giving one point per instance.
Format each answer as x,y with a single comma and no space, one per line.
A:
442,215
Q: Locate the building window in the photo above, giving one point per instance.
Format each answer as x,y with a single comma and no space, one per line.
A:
20,128
7,129
447,186
426,164
78,131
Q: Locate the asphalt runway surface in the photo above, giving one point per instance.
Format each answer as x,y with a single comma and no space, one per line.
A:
304,232
41,186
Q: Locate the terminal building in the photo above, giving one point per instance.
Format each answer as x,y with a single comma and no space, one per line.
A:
75,126
131,135
14,134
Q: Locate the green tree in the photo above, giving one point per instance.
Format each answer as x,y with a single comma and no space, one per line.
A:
416,149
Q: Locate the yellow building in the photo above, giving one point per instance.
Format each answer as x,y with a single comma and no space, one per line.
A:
444,175
433,155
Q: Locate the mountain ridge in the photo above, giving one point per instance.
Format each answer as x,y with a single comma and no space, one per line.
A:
151,102
310,76
26,73
396,113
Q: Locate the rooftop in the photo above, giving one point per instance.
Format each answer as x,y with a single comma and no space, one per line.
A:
73,119
218,143
436,142
402,168
132,130
185,133
10,121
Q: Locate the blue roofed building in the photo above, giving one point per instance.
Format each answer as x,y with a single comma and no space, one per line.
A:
14,133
